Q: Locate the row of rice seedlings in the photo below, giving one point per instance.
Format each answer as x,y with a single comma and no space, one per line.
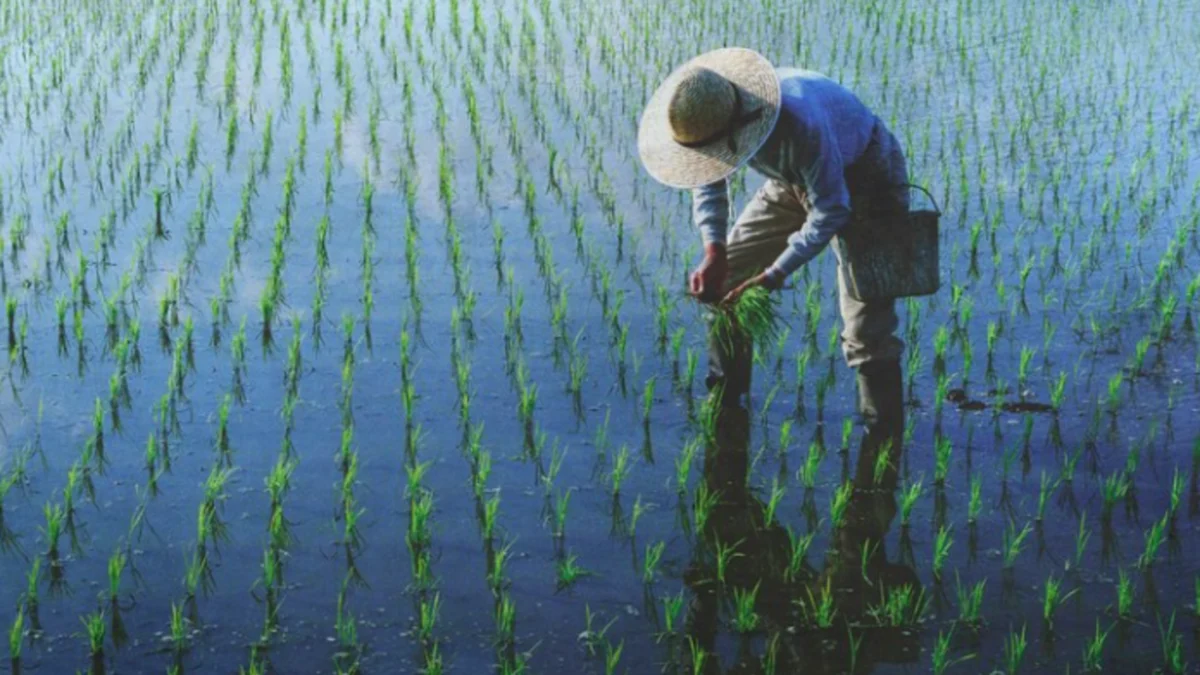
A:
509,659
278,484
79,481
349,514
62,517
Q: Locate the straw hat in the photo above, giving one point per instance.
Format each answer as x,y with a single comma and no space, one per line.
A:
709,117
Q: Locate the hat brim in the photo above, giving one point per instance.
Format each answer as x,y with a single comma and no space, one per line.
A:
685,167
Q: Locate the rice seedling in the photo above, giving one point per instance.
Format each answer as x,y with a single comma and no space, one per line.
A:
899,606
1013,544
1014,651
1155,536
745,620
1113,489
569,571
95,630
1053,598
776,496
620,469
724,555
1044,490
942,450
179,633
810,470
1124,595
1082,535
970,602
651,560
1178,485
592,638
1093,650
755,315
820,612
941,551
683,464
1172,647
506,612
909,496
798,553
612,657
55,520
838,504
975,500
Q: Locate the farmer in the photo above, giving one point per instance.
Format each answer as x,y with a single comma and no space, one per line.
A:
830,164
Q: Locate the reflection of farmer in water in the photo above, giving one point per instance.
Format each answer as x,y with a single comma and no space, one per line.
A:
831,163
856,581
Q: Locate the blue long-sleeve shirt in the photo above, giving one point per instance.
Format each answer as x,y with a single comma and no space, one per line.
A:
822,128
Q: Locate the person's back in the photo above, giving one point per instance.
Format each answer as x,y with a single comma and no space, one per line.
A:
809,99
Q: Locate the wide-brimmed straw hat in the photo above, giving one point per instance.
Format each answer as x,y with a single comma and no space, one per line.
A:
709,117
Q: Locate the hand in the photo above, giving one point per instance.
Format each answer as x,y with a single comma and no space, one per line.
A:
709,278
757,280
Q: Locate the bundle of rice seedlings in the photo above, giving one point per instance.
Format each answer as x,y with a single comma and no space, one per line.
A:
753,318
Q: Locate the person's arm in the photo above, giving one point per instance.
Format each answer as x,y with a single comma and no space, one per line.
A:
710,211
819,162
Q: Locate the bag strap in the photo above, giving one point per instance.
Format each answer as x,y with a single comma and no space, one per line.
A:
927,194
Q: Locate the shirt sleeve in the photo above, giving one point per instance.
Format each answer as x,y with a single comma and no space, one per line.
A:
710,211
818,160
